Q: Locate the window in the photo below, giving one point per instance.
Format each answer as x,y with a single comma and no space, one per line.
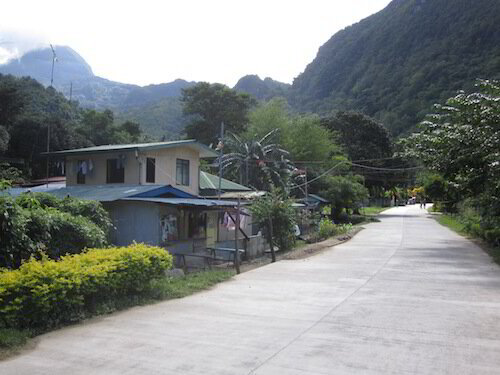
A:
80,176
182,172
115,173
150,170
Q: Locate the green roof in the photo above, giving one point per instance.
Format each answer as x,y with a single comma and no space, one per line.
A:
205,151
209,181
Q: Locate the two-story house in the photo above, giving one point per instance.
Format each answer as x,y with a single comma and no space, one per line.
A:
152,192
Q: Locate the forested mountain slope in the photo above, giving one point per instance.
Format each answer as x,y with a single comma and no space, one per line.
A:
396,63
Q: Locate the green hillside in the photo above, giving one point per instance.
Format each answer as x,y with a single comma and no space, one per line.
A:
265,89
395,64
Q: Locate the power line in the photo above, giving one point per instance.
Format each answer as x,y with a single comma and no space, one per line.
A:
357,165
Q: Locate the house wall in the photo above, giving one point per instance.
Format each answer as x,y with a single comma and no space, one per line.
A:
135,168
97,176
134,221
166,167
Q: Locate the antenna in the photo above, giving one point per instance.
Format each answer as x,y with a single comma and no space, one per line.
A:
54,59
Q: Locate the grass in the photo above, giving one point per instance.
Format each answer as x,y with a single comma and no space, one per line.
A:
374,210
454,224
169,288
13,340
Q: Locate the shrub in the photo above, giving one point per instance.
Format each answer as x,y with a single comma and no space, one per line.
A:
279,209
91,210
35,222
326,228
41,294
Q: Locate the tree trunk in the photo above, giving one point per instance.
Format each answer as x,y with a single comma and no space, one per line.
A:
273,254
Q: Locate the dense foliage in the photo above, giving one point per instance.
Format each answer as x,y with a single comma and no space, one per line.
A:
461,142
213,104
265,89
36,224
275,215
27,109
328,228
260,164
43,294
345,193
396,63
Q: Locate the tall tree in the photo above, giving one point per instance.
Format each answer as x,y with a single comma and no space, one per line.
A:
361,136
259,163
461,140
210,105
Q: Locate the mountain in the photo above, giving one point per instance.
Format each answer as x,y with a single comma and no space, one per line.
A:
262,89
156,107
396,63
38,65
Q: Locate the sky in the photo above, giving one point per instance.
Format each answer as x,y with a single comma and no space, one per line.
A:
146,42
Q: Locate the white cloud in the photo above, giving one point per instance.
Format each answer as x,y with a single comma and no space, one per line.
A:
15,43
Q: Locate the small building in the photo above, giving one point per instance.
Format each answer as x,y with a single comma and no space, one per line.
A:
156,194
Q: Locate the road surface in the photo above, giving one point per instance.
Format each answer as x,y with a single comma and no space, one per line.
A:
405,296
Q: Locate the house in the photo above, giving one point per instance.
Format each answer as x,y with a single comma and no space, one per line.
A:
154,193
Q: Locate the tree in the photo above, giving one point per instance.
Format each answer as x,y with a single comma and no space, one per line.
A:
461,140
267,117
308,140
274,213
258,163
361,136
210,105
345,192
4,139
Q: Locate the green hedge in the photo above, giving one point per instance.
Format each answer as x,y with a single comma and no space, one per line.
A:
32,223
42,294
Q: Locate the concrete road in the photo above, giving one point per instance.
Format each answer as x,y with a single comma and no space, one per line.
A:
405,296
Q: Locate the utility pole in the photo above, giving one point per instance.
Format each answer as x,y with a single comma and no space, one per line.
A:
236,231
221,153
220,146
54,59
307,195
70,90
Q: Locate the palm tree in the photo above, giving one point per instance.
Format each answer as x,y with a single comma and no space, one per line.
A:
258,163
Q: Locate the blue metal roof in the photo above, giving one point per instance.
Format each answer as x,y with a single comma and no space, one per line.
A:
35,189
186,202
108,193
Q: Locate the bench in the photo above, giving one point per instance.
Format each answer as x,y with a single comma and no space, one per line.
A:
228,250
206,258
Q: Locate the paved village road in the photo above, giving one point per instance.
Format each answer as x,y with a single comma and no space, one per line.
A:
405,296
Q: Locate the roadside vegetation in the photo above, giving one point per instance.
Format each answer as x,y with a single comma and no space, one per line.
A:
373,210
459,145
56,268
46,294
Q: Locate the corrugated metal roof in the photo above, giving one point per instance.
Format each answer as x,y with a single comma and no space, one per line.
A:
35,189
315,199
204,151
104,193
186,202
211,182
